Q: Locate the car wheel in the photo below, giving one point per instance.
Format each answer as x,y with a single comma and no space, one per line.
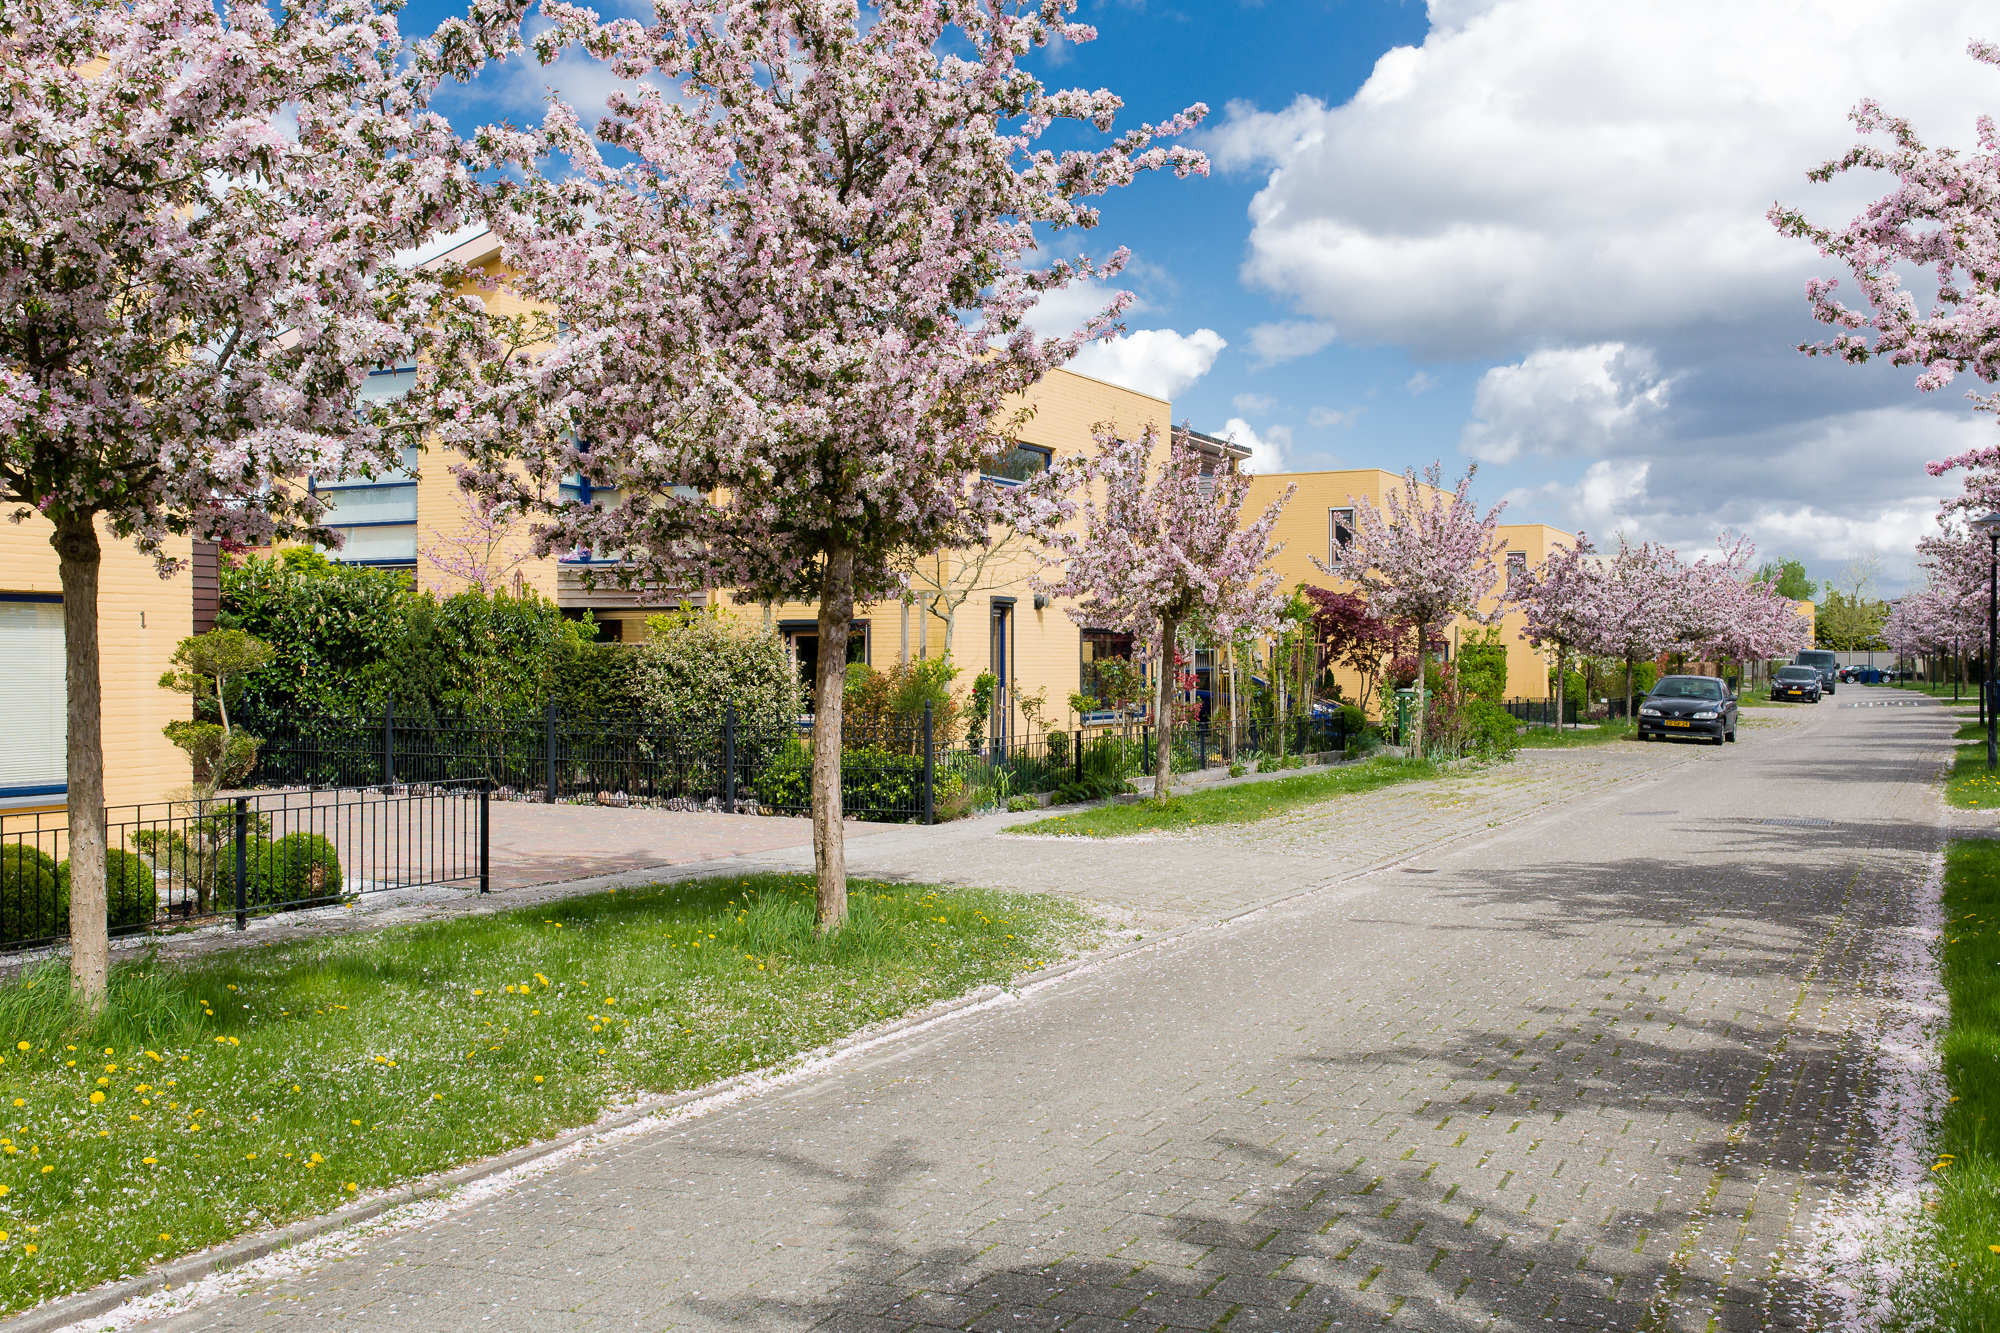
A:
1730,735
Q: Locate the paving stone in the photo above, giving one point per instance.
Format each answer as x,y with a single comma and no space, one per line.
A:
1492,1096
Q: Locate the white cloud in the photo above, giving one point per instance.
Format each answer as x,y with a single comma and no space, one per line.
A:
1420,382
1288,340
1062,312
1160,362
1255,403
1267,450
1589,400
1552,170
1333,418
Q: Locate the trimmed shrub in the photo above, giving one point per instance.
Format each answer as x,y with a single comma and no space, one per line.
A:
28,896
874,784
297,871
131,893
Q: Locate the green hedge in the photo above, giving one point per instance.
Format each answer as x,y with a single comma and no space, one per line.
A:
28,906
297,871
874,784
131,893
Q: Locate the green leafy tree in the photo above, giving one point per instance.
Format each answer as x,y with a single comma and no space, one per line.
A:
1787,578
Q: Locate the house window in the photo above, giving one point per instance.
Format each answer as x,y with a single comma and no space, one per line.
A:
33,714
1517,565
802,641
1022,462
1339,534
1100,645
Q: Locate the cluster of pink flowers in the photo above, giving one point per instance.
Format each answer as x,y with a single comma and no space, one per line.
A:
1643,599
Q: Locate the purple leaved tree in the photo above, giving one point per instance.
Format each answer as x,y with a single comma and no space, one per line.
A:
1156,554
203,210
1424,561
1560,600
784,318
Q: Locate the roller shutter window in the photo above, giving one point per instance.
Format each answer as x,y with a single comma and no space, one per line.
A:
32,706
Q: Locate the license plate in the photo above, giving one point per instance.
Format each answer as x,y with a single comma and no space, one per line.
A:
1680,724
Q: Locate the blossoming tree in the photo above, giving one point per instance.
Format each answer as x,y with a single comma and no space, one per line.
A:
1424,561
199,213
1631,622
1154,554
1561,604
792,299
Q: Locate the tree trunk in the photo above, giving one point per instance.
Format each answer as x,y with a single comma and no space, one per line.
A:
836,612
79,556
1630,719
1562,686
1163,712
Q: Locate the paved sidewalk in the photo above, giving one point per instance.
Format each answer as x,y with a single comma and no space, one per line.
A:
1592,1071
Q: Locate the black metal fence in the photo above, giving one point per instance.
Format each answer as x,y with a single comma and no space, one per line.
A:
204,861
901,773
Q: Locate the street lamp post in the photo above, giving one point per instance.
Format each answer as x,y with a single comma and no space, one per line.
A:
1990,525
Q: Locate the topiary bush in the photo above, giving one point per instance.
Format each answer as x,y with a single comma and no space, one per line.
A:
28,896
131,892
297,871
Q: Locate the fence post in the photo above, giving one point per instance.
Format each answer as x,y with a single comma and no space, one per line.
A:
485,836
388,741
549,753
242,862
1201,746
729,759
930,769
1077,758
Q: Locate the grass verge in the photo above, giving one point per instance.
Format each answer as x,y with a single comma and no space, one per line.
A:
1234,804
1969,786
261,1085
1959,1251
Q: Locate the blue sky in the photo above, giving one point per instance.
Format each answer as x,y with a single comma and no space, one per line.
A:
1527,232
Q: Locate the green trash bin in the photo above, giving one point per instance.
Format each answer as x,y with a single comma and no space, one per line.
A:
1407,704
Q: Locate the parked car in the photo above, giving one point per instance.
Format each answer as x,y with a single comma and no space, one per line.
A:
1796,682
1823,662
1688,706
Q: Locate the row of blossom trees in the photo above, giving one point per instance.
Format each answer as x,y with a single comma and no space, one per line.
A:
1641,600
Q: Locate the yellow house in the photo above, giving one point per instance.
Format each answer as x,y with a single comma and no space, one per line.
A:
140,621
975,605
1319,522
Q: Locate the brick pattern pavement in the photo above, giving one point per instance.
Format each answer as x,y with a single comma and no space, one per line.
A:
1592,1071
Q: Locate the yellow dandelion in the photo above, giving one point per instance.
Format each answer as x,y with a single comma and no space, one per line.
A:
354,1122
352,1187
29,1248
23,1046
19,1102
96,1097
150,1161
538,1078
165,1236
47,1169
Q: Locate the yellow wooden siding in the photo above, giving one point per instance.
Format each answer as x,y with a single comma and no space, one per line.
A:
140,765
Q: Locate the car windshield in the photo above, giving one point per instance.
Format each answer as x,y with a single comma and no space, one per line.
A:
1797,673
1687,687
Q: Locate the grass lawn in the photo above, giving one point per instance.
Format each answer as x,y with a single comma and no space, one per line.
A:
1234,804
1969,786
265,1084
1547,738
1957,1267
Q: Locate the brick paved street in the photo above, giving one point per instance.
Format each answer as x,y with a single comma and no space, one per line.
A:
1596,1066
